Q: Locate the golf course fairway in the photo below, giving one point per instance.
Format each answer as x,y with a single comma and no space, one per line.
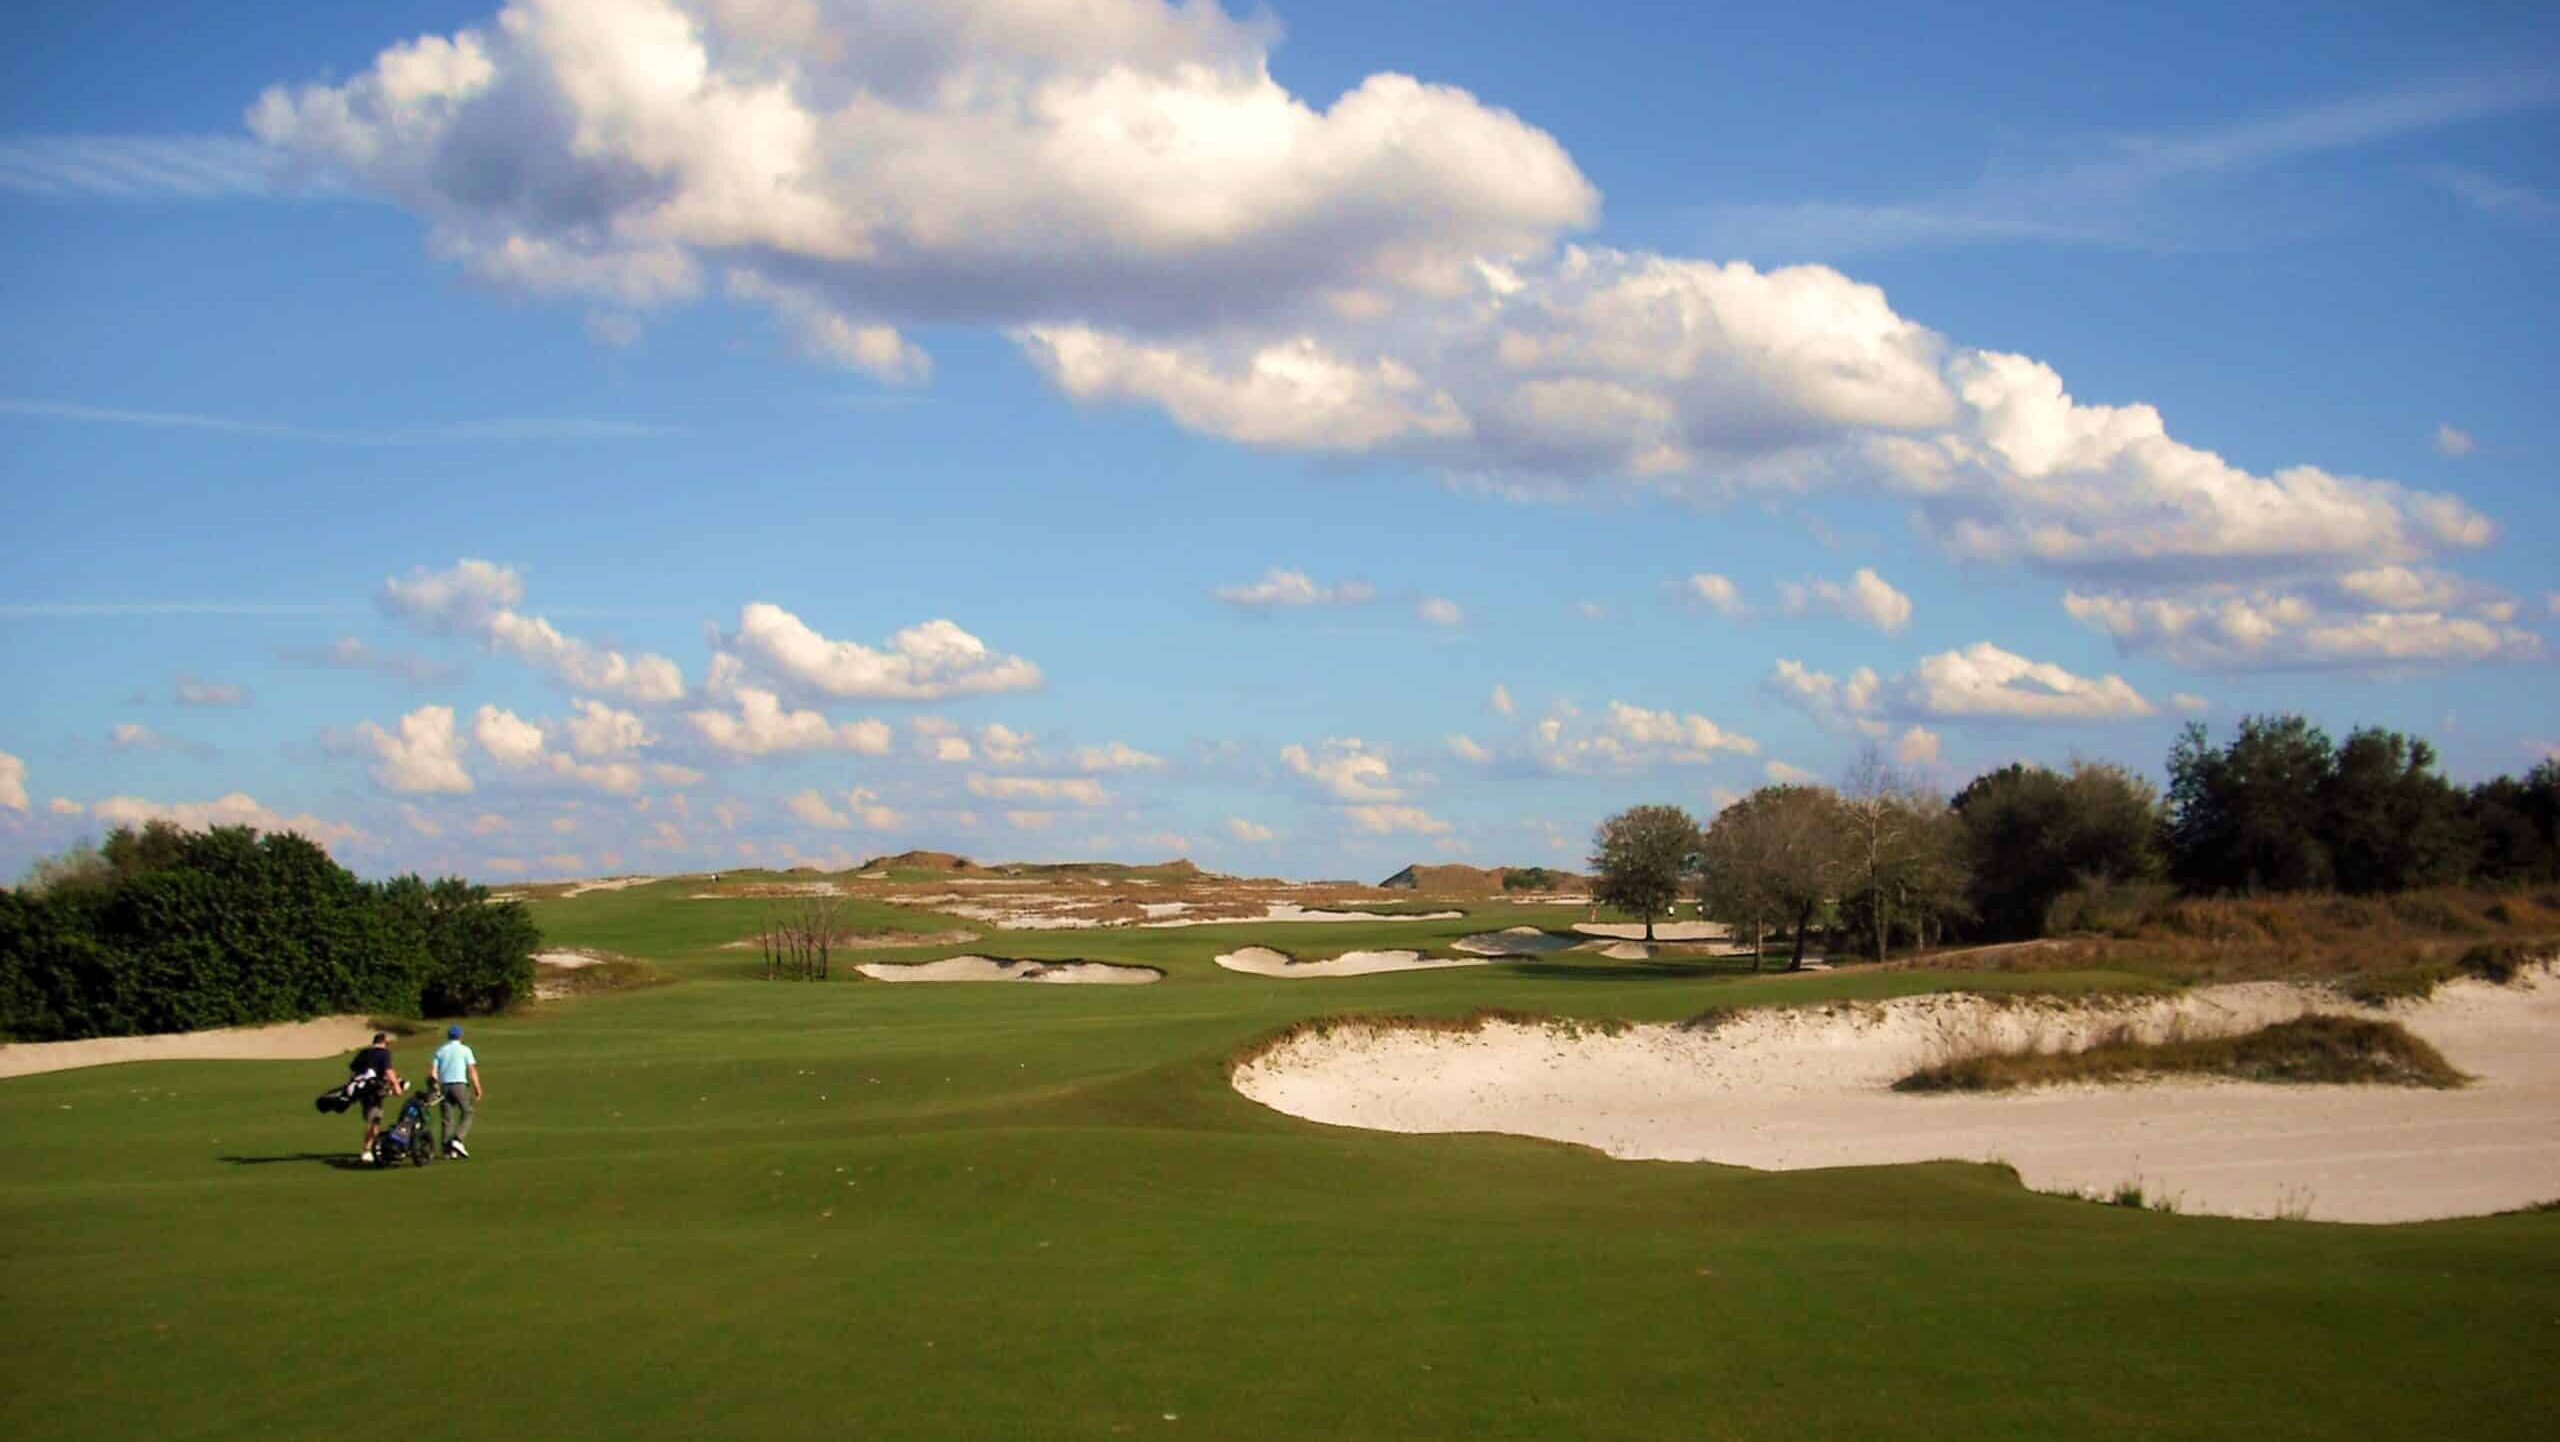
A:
731,1207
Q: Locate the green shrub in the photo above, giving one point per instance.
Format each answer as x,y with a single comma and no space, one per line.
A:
174,931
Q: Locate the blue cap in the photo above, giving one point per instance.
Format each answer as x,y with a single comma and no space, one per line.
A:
454,1030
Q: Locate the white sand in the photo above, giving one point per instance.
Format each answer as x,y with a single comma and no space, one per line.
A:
987,968
284,1041
565,960
1662,930
1263,961
1518,941
1787,1089
1291,911
610,883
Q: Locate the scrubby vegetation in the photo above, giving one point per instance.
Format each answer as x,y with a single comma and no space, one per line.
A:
2308,1049
162,930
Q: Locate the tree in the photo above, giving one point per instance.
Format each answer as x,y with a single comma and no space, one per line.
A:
2391,821
2517,826
1773,857
2030,834
1637,859
2249,817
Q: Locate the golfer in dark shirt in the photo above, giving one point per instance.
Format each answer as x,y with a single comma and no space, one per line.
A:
377,1060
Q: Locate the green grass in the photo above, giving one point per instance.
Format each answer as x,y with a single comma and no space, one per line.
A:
735,1208
2307,1050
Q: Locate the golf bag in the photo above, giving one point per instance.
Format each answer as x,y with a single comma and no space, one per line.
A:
408,1139
363,1089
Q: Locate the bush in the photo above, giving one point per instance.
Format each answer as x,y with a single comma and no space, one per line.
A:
171,931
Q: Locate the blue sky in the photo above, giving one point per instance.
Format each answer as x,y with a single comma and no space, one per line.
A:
656,436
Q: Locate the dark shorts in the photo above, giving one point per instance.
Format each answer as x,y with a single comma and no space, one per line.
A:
373,1113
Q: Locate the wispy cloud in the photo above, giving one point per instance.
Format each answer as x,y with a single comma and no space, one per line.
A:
2491,196
501,429
2107,193
137,167
67,610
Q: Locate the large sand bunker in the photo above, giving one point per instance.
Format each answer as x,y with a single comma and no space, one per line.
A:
1787,1089
993,968
1518,941
285,1041
1263,961
1291,911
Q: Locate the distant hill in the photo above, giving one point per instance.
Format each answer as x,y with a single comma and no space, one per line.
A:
1456,880
920,861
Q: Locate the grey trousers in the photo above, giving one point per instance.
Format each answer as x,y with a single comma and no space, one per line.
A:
456,1099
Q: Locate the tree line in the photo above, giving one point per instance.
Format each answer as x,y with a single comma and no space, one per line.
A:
1882,860
161,930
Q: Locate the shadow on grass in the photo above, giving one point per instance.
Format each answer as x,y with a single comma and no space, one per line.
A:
339,1160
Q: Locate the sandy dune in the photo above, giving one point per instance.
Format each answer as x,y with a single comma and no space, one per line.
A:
1787,1089
987,968
284,1041
1263,961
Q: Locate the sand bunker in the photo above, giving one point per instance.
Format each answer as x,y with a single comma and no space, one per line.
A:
1291,911
1662,930
1518,941
1787,1089
1263,961
991,968
566,960
284,1041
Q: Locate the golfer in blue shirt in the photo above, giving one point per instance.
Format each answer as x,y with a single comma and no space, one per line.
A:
457,1072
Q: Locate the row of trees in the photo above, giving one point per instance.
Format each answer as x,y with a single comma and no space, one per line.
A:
163,930
2279,808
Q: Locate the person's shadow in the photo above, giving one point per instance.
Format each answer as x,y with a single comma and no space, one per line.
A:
339,1160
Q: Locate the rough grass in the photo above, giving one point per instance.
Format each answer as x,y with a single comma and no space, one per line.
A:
2498,962
2306,1050
2307,937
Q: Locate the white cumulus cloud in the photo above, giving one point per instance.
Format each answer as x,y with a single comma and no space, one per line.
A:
1391,820
1248,831
1118,756
424,756
1283,587
2452,440
478,600
13,783
2283,630
1866,597
1718,594
236,808
921,663
1345,769
1441,611
1977,682
1501,701
1078,790
1467,748
763,726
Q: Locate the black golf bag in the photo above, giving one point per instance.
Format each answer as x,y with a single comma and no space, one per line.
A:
407,1139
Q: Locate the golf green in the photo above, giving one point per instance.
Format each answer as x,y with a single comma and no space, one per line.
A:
728,1207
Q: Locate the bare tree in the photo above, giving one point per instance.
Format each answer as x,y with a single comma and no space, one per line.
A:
799,935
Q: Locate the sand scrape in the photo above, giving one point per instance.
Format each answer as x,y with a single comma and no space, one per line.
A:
1792,1088
323,1036
1263,961
993,968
